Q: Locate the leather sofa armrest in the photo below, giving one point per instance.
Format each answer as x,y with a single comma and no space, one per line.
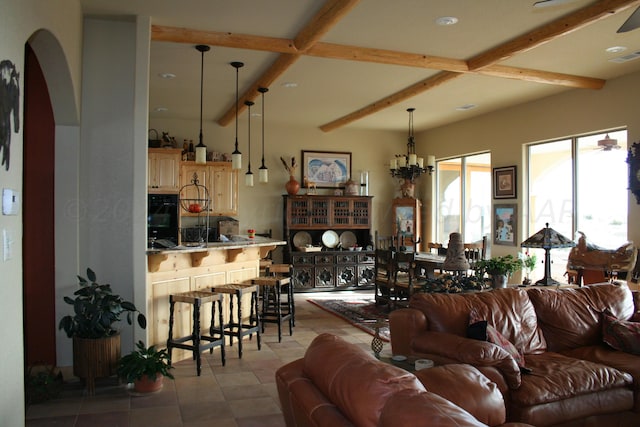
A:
473,352
404,325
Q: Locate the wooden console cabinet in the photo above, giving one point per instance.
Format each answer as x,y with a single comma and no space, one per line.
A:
330,268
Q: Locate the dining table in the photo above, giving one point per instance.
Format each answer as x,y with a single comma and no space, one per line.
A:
427,263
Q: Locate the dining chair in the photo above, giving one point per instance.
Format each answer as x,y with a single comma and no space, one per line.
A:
384,242
383,289
404,278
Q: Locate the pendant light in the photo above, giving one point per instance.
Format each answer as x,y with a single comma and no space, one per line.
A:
248,177
236,156
201,149
263,172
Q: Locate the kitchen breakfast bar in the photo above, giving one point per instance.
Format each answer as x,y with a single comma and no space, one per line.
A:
183,269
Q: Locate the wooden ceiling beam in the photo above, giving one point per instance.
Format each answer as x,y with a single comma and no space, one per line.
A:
396,98
329,15
546,33
545,77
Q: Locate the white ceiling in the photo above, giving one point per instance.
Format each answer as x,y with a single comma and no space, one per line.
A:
328,89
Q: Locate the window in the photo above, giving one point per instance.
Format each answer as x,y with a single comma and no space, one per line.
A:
463,197
575,184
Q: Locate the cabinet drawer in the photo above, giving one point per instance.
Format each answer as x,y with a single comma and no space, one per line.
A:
302,277
324,259
366,258
302,259
366,275
346,258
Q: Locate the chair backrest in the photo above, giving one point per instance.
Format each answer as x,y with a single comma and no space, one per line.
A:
383,242
383,264
476,251
436,248
278,269
404,262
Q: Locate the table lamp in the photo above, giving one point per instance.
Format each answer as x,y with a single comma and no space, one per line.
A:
547,239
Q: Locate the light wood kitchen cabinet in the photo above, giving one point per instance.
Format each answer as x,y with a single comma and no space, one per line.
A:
221,182
164,170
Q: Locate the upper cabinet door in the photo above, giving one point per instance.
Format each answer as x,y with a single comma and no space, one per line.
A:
224,185
164,170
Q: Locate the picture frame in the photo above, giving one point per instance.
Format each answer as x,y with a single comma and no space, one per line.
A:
326,169
406,221
504,182
505,224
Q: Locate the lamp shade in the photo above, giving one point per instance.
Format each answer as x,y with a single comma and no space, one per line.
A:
548,238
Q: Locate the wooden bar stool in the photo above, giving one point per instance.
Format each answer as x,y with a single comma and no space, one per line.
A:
236,328
216,335
276,283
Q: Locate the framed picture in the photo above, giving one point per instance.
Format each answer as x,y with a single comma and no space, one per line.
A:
505,220
406,221
326,169
504,183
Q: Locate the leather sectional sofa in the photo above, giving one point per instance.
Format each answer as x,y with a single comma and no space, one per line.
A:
568,375
338,384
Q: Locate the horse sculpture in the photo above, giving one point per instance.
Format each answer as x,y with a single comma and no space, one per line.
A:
9,103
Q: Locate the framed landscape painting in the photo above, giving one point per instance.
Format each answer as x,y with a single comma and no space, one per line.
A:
504,183
327,169
504,225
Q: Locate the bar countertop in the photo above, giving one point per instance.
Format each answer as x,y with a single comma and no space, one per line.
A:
236,242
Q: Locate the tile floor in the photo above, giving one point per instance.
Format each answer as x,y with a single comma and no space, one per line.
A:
241,394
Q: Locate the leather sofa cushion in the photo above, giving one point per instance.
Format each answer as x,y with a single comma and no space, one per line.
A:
557,377
508,310
571,318
473,391
338,368
424,409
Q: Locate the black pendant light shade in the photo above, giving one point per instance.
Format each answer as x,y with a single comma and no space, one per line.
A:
201,149
236,156
263,172
248,177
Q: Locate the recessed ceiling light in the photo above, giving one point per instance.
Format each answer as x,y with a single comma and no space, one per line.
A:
289,84
615,49
466,107
447,20
161,109
167,75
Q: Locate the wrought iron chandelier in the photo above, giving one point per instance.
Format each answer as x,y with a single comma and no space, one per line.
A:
409,166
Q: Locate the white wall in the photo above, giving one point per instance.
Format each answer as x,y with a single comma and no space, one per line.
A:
505,132
19,21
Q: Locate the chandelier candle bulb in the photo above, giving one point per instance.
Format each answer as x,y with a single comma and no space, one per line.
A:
402,162
393,164
413,159
431,161
421,162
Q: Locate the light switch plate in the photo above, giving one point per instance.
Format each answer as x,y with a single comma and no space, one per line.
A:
10,201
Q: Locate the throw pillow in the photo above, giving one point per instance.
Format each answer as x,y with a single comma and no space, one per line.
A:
480,329
620,334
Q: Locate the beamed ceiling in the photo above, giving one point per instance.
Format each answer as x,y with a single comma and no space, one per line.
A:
362,63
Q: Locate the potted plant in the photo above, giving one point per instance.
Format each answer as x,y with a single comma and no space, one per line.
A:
145,367
96,341
499,268
528,263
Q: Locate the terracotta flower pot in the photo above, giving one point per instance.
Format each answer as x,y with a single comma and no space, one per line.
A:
147,385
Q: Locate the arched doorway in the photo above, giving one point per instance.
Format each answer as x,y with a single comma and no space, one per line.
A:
50,122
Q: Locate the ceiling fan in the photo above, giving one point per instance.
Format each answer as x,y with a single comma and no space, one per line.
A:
608,144
630,24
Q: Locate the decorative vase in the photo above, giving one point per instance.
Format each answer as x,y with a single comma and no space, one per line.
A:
147,385
376,342
292,186
407,189
499,281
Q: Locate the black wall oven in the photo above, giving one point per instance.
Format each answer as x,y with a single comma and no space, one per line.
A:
162,217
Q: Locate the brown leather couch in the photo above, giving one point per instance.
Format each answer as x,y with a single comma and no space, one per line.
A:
575,378
338,384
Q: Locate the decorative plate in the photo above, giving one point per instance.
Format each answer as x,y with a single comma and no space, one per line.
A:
330,239
301,239
348,239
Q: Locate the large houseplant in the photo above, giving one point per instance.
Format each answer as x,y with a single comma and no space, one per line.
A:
96,340
499,268
145,367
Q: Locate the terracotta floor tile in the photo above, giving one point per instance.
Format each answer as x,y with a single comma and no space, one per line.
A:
241,394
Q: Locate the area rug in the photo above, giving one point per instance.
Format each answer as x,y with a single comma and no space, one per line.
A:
362,313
